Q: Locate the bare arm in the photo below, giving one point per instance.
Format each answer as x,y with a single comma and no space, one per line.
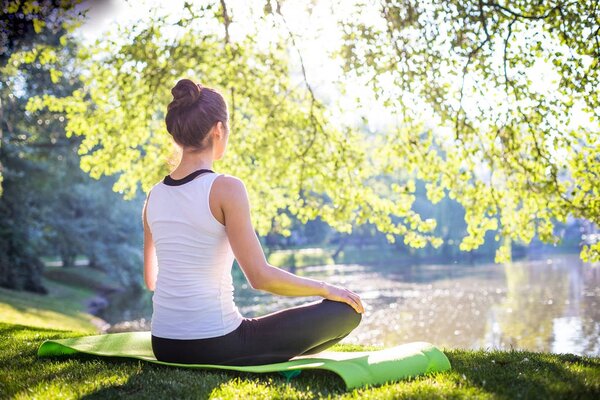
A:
150,260
247,250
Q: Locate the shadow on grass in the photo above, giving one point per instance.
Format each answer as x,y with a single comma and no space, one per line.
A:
527,374
23,373
157,381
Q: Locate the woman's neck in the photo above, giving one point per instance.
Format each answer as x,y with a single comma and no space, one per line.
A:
191,162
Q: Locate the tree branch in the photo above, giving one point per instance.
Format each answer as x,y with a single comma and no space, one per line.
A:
226,19
316,125
519,15
472,53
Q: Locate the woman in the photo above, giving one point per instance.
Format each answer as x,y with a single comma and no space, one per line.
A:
195,222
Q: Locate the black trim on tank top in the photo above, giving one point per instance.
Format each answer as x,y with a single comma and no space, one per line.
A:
176,182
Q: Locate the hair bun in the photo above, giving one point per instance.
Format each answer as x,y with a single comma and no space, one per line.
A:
185,93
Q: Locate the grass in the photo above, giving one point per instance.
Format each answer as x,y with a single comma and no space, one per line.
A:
81,276
62,308
475,374
27,319
301,257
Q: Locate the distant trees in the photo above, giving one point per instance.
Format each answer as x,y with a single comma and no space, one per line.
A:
49,206
32,149
30,32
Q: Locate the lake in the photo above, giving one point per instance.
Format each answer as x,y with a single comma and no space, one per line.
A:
549,304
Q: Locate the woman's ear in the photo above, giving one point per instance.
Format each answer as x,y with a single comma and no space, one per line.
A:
222,130
215,132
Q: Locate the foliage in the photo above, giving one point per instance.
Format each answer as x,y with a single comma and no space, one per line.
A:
31,150
475,374
30,32
114,240
26,24
49,205
282,147
513,84
511,152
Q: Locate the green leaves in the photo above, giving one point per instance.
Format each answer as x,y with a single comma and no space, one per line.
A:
507,84
509,151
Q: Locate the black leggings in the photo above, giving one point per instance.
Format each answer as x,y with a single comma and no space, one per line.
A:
275,337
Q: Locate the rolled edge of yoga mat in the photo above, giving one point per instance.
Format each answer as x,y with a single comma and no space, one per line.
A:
355,368
391,364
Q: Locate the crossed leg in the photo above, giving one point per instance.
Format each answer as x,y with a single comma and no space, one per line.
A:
306,329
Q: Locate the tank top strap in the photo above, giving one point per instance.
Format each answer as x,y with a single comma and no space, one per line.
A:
176,182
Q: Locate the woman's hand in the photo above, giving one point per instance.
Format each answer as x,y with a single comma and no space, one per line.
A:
338,293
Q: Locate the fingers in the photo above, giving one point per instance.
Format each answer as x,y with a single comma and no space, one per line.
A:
361,308
355,302
347,296
350,301
360,305
352,304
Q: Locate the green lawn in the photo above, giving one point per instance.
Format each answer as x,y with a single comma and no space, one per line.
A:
475,374
62,308
27,319
301,257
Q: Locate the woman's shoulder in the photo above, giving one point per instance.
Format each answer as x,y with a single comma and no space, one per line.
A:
153,188
229,183
229,189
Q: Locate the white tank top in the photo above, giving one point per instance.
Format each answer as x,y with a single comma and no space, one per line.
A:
193,297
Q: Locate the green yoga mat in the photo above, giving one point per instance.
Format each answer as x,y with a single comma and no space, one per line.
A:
356,368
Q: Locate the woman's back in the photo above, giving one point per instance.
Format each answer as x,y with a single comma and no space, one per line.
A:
193,298
189,251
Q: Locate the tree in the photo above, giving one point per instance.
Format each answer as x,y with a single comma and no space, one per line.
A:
510,158
290,157
49,205
31,31
32,149
511,83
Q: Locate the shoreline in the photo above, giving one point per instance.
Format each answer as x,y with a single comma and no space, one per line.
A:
97,303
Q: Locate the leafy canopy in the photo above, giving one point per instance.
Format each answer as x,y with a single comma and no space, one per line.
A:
282,146
511,150
514,84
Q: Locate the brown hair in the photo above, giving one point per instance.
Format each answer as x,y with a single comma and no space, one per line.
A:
193,112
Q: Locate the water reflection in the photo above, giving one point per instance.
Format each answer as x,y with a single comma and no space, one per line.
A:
550,306
541,305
